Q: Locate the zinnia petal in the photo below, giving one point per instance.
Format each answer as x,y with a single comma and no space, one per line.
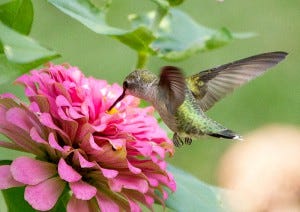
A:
34,134
82,161
6,178
44,195
30,171
76,205
128,182
53,142
109,173
83,190
106,204
66,172
134,207
18,117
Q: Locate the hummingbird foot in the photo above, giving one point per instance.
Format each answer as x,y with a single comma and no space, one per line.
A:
188,141
177,140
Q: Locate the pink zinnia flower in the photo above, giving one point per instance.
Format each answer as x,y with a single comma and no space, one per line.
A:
111,161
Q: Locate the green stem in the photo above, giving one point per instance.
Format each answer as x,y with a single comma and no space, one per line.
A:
142,60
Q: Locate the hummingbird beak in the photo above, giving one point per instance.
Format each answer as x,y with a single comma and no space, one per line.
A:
118,99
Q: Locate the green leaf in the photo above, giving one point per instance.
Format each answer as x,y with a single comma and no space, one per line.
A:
179,36
17,14
92,17
21,53
14,198
10,70
162,3
19,48
4,1
5,162
175,2
194,195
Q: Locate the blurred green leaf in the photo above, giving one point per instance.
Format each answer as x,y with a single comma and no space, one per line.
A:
17,14
21,53
175,2
179,36
92,17
10,70
19,48
5,162
162,3
4,1
14,198
193,194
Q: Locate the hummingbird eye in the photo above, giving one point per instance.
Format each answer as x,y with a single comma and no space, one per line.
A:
125,84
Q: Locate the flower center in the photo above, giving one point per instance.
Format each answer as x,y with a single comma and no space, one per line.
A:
112,111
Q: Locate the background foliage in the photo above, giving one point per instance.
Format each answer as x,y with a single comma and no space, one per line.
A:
275,97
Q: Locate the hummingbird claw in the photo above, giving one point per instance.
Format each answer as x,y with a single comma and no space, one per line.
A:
177,140
188,141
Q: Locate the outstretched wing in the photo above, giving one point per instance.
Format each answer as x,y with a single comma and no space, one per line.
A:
172,87
211,85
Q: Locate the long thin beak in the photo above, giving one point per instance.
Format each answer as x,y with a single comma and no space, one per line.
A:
118,99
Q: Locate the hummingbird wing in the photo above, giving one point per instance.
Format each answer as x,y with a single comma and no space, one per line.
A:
211,85
172,87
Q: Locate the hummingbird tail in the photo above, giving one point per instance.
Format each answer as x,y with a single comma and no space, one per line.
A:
228,134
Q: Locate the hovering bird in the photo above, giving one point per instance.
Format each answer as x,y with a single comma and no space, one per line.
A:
181,102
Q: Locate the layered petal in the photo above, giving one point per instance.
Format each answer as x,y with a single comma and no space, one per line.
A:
6,178
106,204
66,172
43,196
128,182
83,190
75,205
110,160
30,171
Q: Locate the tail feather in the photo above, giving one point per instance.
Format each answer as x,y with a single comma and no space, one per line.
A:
228,134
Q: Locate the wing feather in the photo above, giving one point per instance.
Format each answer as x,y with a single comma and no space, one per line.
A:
172,87
211,85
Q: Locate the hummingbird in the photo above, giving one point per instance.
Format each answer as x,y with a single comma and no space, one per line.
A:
181,101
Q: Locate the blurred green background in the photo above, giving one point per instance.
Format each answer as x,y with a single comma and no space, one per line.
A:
273,98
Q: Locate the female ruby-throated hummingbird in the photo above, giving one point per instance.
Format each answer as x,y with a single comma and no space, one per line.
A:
181,102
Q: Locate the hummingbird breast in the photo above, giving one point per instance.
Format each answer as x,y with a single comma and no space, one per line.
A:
189,120
186,120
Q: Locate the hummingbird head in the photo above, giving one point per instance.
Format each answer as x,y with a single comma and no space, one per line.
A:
138,83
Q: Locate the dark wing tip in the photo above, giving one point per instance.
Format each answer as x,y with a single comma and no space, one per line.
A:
171,73
167,70
277,55
281,53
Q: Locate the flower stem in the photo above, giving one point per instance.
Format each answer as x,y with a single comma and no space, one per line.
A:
142,60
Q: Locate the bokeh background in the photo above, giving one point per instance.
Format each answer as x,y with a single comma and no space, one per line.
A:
273,98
